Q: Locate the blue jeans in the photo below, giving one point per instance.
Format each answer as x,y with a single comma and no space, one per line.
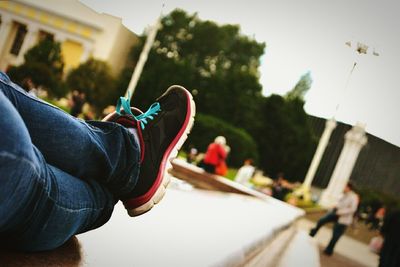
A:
59,176
337,231
327,218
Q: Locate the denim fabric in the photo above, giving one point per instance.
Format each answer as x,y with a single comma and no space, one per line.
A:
337,231
59,175
327,218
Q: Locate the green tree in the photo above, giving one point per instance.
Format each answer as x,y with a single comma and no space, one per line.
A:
285,140
94,78
219,65
216,63
208,127
43,65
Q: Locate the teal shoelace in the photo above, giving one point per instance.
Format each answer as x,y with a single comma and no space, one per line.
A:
125,103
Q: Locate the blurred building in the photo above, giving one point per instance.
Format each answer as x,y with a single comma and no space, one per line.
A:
82,32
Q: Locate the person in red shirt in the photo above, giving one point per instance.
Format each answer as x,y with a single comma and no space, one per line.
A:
215,155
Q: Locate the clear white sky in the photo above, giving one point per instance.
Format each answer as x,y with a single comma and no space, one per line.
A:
308,35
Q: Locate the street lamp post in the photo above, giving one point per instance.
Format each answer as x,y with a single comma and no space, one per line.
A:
143,58
330,125
355,139
151,36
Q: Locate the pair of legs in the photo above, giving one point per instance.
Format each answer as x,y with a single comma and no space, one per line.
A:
337,231
59,175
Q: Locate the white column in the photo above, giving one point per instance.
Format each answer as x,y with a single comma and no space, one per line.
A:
59,37
87,50
29,41
6,25
323,142
355,139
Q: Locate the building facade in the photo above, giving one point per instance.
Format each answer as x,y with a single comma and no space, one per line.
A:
82,32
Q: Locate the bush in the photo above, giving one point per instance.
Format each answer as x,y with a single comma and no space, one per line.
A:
94,78
206,128
374,199
43,66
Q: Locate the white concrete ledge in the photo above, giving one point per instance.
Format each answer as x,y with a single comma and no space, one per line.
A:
189,228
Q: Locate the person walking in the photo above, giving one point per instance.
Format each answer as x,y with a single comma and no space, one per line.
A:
341,215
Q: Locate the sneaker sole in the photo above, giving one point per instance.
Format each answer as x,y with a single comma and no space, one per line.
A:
171,153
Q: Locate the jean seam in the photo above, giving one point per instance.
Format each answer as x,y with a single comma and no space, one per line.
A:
69,209
16,157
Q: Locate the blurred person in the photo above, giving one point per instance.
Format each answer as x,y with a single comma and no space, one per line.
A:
61,176
30,87
107,110
376,220
375,244
342,215
76,102
280,187
390,251
222,167
192,155
87,112
245,172
215,155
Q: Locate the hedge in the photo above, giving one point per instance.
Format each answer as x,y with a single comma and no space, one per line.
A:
206,128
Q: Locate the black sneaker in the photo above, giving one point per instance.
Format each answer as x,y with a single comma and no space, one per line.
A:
162,130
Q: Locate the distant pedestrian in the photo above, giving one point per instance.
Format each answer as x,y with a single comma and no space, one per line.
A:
245,172
30,86
215,155
377,219
192,155
76,103
342,215
279,187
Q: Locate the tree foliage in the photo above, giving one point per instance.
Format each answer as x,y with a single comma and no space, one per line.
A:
216,63
94,78
285,140
43,65
219,66
241,143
